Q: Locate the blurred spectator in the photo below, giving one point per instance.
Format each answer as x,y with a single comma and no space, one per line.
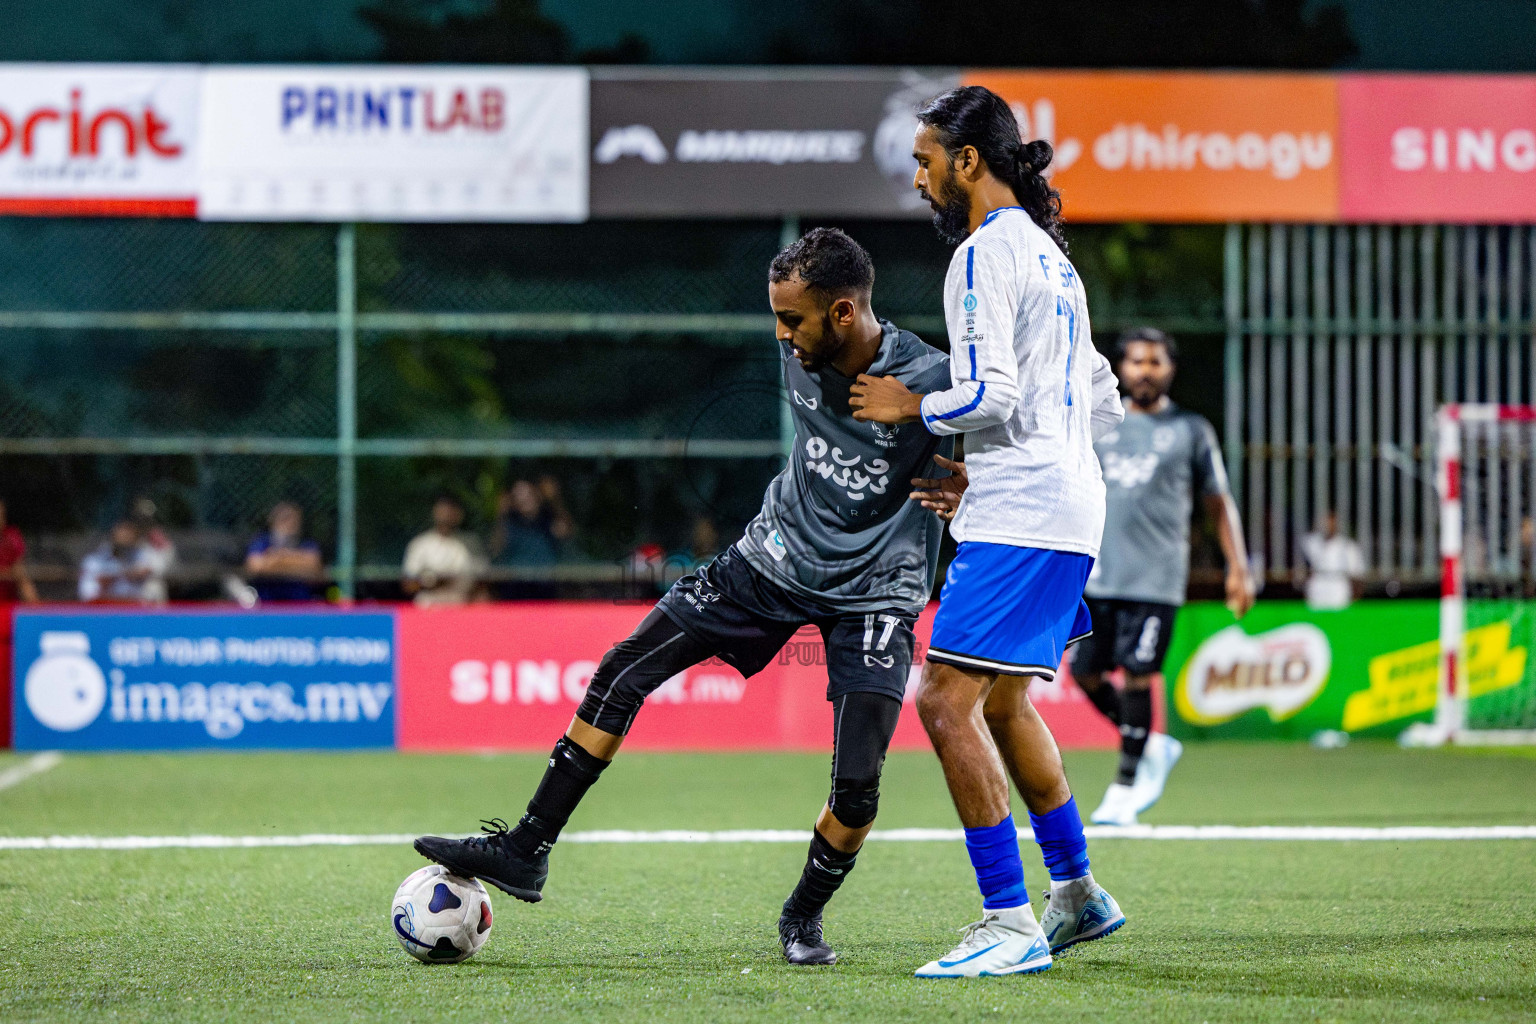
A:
531,526
560,522
15,584
159,552
1336,566
122,569
441,565
283,566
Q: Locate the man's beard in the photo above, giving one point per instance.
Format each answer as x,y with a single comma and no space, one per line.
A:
1146,393
952,212
817,361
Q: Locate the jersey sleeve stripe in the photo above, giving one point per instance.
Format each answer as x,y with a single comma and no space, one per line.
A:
970,268
981,389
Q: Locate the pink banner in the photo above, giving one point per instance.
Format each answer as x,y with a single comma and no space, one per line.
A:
509,677
1438,148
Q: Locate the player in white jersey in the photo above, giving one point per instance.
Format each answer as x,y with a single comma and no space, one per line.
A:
1029,390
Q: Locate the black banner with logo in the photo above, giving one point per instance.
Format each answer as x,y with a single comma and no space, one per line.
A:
717,144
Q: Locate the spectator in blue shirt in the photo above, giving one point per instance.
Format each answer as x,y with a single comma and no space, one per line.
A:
282,565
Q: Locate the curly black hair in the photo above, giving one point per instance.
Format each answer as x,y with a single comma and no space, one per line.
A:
827,260
975,116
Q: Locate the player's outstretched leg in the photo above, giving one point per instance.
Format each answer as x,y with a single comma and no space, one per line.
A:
1077,909
1007,939
862,726
516,860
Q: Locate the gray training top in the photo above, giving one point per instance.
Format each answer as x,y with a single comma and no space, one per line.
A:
1153,463
837,525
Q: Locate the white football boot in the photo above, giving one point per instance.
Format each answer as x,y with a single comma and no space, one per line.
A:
1157,761
1002,942
1079,911
1118,806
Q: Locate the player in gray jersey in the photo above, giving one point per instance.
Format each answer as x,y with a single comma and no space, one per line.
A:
1154,464
838,545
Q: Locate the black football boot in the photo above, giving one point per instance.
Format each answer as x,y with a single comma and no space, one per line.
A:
492,858
802,941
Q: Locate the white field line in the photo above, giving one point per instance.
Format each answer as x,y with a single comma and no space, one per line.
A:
1195,833
35,765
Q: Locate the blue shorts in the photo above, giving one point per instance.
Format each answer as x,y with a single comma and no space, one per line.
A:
1011,610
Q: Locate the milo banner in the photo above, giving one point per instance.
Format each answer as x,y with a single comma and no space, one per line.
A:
1287,672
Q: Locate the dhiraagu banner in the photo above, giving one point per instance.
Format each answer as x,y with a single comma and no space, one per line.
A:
1286,672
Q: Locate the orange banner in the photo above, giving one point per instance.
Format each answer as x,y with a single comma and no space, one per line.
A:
1183,146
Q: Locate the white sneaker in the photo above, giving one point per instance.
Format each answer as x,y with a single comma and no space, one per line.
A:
1157,761
1079,913
1117,808
1002,942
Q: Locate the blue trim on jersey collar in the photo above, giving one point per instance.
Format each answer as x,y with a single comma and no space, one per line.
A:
993,215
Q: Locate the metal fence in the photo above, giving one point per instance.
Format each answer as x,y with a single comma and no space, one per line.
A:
360,369
1341,343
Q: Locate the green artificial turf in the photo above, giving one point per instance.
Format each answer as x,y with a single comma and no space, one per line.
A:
1218,931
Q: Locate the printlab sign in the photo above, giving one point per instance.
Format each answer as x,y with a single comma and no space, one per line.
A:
109,681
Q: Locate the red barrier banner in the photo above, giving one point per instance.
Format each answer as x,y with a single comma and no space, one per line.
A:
1438,148
509,677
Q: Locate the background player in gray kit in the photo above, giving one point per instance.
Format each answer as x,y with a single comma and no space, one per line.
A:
1154,463
837,545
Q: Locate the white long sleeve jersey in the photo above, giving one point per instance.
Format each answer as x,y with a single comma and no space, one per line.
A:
1029,390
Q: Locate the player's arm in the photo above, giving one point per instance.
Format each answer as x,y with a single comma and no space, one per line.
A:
1216,497
1107,410
981,306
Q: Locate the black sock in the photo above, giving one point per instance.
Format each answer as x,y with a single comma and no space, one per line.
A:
1107,699
1135,726
825,869
570,774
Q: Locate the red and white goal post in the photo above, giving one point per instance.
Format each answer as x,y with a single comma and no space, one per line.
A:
1486,476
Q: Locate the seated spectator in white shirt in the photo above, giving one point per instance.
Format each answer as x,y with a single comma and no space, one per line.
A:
1336,565
442,565
123,569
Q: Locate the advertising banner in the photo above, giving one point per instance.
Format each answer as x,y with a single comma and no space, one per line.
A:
98,139
509,677
1182,146
720,144
396,144
105,680
1286,672
1438,148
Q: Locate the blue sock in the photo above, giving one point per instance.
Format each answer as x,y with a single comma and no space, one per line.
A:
994,854
1061,839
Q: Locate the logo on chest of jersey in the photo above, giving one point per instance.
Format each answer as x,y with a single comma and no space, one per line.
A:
1130,470
850,472
809,403
885,434
1163,438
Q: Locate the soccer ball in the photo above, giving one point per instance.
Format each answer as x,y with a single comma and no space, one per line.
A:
439,917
